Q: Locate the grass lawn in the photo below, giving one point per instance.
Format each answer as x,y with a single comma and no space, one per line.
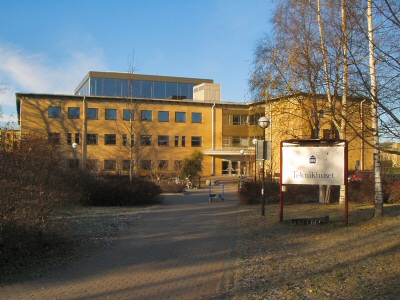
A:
278,260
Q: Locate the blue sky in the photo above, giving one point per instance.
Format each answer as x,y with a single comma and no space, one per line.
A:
49,46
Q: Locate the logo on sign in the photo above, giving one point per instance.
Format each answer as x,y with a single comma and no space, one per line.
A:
313,159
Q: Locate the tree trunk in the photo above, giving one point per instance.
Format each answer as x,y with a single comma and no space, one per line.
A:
374,112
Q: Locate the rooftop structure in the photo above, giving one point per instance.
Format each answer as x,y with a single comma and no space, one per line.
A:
115,84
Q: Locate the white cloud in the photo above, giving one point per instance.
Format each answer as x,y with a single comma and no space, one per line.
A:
26,72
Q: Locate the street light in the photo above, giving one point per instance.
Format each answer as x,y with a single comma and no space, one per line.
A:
263,122
74,146
241,162
255,160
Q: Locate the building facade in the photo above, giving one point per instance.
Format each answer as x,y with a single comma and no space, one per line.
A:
116,122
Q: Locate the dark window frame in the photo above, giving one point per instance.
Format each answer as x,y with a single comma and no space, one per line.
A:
162,118
74,112
128,114
146,115
90,113
92,139
196,141
146,140
163,165
163,140
108,115
54,112
110,164
69,138
146,164
110,139
180,117
195,116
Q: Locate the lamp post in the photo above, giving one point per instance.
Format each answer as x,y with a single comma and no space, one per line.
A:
263,122
241,162
255,160
74,146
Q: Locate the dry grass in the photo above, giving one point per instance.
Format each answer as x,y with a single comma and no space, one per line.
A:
331,261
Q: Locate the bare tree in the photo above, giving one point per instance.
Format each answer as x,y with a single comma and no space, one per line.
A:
321,47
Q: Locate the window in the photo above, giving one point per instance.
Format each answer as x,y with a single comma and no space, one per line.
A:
163,140
78,138
91,139
197,117
177,165
145,140
110,164
92,113
128,114
110,139
196,141
111,114
176,141
126,165
163,116
243,120
162,165
235,141
54,112
253,119
226,141
74,112
145,164
236,120
54,138
147,115
125,141
244,141
180,117
69,138
184,141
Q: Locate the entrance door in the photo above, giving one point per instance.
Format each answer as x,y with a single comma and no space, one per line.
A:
230,167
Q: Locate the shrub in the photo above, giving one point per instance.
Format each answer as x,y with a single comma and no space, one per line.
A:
250,192
32,185
119,191
391,190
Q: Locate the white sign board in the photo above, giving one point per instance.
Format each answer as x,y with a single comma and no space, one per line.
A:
319,165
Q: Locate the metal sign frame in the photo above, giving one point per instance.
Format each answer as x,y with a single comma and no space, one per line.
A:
318,171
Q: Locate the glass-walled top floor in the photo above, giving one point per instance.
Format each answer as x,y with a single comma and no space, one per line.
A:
113,87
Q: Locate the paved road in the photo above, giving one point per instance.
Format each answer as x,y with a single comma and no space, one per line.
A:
180,251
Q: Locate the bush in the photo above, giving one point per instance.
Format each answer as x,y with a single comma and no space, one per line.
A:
250,192
119,191
391,190
32,185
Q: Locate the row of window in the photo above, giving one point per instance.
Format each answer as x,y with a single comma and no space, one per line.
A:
125,165
137,88
127,114
126,140
238,141
243,119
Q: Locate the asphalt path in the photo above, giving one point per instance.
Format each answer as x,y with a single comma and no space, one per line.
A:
181,250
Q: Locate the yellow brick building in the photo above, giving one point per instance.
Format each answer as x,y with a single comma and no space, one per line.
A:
156,121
